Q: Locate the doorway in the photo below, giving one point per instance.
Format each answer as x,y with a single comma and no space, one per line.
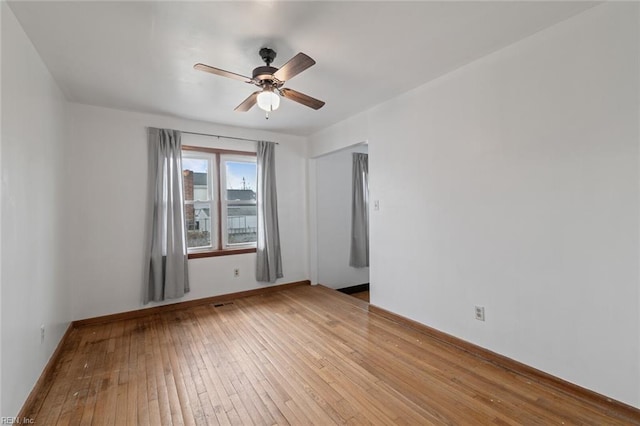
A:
333,220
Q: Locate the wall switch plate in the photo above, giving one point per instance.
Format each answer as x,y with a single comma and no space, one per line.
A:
479,313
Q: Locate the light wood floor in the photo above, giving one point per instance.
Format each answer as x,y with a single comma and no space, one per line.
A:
362,295
307,355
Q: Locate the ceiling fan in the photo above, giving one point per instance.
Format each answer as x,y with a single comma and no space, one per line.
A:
270,81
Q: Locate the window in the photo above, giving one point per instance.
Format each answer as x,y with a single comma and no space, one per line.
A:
239,212
220,201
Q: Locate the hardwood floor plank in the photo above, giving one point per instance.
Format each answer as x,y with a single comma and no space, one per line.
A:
52,404
153,388
253,379
181,413
183,364
305,385
332,328
93,369
124,375
325,392
248,345
304,355
363,395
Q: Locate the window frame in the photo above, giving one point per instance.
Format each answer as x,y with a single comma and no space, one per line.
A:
215,183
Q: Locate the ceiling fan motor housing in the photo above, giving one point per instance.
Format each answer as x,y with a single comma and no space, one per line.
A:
264,73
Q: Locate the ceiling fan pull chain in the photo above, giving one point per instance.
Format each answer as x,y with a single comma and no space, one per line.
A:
266,115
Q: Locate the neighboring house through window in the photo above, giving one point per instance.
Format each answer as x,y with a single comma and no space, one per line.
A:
220,201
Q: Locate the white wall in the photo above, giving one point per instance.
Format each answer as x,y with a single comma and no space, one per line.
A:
33,290
341,135
521,173
2,9
107,180
333,219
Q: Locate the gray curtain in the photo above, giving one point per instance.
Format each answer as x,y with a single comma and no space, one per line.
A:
269,259
360,212
167,274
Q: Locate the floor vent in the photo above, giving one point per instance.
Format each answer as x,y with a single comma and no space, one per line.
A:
217,305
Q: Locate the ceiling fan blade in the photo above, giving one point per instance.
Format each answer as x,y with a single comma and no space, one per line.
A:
223,73
248,103
295,66
302,98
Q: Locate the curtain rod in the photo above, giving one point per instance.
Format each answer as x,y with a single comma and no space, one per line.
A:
226,137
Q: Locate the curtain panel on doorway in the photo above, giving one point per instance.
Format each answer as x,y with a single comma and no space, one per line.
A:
167,272
360,212
269,258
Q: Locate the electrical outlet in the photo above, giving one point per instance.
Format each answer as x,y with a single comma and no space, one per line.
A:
480,313
236,272
41,333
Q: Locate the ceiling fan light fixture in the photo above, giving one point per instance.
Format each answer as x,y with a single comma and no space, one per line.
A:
268,100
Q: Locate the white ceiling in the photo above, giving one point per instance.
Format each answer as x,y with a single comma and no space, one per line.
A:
139,55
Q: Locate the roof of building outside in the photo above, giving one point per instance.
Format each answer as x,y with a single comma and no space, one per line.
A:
241,195
200,179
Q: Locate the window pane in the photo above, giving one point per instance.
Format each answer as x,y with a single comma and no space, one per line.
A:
241,223
241,202
241,180
198,218
196,179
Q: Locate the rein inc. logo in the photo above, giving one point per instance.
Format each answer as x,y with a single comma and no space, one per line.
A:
17,421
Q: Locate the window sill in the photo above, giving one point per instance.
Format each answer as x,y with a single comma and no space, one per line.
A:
215,253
